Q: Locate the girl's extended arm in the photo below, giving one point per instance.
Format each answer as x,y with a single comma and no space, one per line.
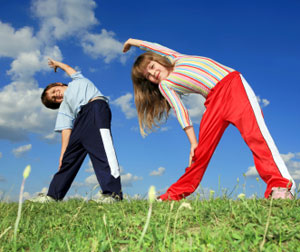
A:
152,47
56,64
131,42
193,140
65,136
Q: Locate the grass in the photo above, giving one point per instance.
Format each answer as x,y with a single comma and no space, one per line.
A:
219,224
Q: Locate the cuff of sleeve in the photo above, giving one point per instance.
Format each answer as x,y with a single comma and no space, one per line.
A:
76,75
187,125
61,129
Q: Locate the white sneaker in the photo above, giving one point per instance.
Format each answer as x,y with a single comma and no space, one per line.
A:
281,193
158,199
42,198
105,199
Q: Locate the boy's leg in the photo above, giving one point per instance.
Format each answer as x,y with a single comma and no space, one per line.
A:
72,160
98,142
251,124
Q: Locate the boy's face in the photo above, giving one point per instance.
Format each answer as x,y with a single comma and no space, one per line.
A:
56,94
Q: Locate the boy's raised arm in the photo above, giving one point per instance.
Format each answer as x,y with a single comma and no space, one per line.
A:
56,64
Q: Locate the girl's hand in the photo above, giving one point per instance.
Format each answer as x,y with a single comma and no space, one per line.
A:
192,152
189,130
131,42
127,45
53,64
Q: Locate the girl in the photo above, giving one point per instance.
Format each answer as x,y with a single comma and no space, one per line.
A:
161,75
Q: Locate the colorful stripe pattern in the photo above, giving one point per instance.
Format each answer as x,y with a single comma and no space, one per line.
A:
191,74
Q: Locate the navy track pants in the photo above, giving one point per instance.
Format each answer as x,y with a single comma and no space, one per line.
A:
90,135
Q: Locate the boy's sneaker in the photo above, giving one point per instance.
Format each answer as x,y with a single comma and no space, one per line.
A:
42,198
105,199
281,193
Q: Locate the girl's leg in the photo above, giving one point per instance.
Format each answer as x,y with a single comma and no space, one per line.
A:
212,128
252,127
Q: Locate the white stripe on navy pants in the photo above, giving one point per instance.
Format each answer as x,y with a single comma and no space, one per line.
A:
232,101
90,135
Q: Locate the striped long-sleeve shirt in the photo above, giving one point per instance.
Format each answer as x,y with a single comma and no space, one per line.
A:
191,74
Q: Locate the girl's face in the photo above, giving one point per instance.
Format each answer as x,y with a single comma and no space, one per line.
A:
155,72
56,94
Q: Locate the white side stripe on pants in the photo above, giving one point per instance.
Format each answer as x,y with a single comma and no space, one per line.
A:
266,135
110,152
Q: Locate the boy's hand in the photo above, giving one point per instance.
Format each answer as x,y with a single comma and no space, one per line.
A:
60,162
53,64
56,64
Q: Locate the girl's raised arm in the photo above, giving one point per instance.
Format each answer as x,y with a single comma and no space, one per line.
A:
131,42
153,47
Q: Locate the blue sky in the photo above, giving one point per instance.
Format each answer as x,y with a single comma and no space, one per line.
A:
260,39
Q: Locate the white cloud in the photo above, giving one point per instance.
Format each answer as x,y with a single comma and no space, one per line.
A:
201,192
20,151
292,161
65,18
262,102
103,45
127,179
26,195
52,138
22,112
125,102
21,109
77,196
76,185
10,45
2,179
62,18
91,180
26,64
90,168
0,154
159,172
251,172
195,106
163,129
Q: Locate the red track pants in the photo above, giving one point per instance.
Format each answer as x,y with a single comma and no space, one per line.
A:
233,101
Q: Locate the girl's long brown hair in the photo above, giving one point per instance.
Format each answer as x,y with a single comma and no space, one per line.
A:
151,106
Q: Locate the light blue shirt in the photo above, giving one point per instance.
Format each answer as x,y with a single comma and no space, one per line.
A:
80,90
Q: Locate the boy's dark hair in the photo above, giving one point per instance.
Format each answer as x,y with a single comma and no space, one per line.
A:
44,97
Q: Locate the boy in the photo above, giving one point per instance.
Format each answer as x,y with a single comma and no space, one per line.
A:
84,120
